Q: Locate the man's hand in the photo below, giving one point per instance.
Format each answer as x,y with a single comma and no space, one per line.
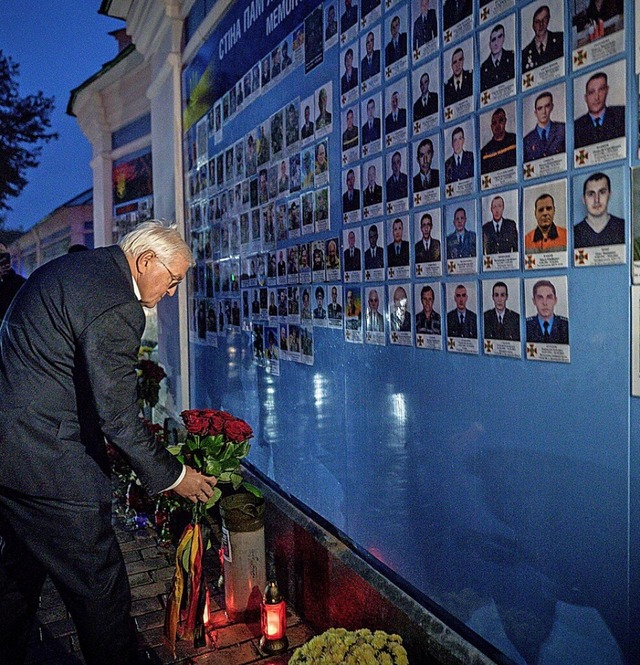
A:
196,486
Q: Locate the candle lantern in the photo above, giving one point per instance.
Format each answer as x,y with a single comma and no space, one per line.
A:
273,620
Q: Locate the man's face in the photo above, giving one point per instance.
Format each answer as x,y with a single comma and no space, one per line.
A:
457,141
424,84
351,180
397,231
496,41
459,220
394,102
497,208
373,237
541,23
369,43
545,300
396,162
350,299
371,107
349,119
352,239
498,125
543,109
334,294
400,302
331,250
499,297
457,63
156,279
424,7
306,113
425,226
322,153
283,169
425,155
395,27
427,303
596,197
460,297
374,301
348,60
545,213
322,100
371,176
596,97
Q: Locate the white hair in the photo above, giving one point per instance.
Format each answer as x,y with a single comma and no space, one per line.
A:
153,235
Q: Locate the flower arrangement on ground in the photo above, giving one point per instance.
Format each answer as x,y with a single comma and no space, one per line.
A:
346,647
215,443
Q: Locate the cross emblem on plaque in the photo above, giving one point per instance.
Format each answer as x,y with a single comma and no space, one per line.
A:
419,270
529,262
364,86
417,199
486,97
451,343
394,337
532,350
416,126
448,36
449,191
345,218
527,81
419,340
365,149
344,159
347,276
486,182
389,208
366,213
416,54
451,267
387,72
488,262
582,157
448,113
580,58
391,273
344,99
389,141
488,346
581,257
484,14
529,170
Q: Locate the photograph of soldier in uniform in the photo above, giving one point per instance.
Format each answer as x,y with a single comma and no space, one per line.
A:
426,103
425,24
427,249
547,137
428,320
425,176
292,124
370,64
396,117
350,124
397,182
396,47
462,320
461,242
546,325
546,45
499,66
372,193
459,85
460,164
398,248
499,234
500,151
501,322
374,254
351,195
455,11
349,17
371,127
331,23
349,79
544,210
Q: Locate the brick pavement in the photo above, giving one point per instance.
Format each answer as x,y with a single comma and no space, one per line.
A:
150,567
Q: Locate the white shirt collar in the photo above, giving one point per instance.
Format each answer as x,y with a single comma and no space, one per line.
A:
136,290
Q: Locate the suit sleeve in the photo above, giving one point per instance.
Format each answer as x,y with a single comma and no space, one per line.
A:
109,346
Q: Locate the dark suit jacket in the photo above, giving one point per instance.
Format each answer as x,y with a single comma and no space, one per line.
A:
393,54
510,328
368,70
425,256
536,148
349,18
345,85
373,262
531,58
451,95
434,181
306,132
421,111
468,329
453,172
68,380
507,241
490,75
461,250
354,204
559,333
371,198
354,263
397,190
371,134
425,29
400,122
612,127
433,326
394,260
455,11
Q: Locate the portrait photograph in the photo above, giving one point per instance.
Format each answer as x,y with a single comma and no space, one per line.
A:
350,134
461,238
332,260
457,18
307,212
427,298
426,170
307,120
374,318
353,314
295,173
372,188
458,68
375,252
395,109
501,231
424,34
459,159
371,134
502,317
318,261
349,79
547,324
498,61
370,11
599,228
352,254
544,215
427,238
425,84
544,143
330,25
323,106
397,183
349,14
491,9
321,163
321,214
292,125
599,100
597,30
308,167
498,154
542,26
276,129
313,44
351,194
396,41
462,317
401,314
335,309
398,234
371,60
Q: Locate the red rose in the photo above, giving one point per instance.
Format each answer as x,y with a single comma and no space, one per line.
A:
216,425
237,430
194,422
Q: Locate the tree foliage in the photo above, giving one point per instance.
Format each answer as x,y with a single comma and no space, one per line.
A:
24,128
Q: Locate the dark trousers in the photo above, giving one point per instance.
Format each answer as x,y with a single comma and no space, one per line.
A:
74,543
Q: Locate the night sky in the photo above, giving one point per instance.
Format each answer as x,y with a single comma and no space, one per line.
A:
58,45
